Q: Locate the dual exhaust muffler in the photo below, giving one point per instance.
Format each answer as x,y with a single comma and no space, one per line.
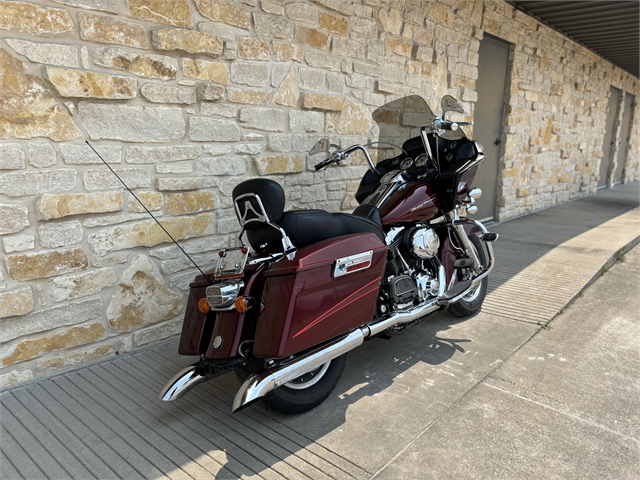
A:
258,385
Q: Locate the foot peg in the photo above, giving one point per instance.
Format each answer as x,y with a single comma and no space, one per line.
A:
490,237
463,263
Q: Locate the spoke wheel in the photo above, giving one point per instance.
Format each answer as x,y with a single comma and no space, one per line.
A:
308,379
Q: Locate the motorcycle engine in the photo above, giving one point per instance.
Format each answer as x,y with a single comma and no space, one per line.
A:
410,274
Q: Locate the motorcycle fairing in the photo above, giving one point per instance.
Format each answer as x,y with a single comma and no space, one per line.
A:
462,168
304,304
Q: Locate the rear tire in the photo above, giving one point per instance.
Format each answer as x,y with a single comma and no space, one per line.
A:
305,392
473,302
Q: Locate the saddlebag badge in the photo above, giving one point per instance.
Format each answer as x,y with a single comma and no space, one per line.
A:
352,264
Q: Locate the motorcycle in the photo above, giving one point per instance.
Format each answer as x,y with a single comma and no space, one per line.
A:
311,285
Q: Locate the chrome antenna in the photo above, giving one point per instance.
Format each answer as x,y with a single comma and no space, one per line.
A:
150,214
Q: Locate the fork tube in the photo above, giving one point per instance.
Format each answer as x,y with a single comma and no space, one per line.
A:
462,236
425,140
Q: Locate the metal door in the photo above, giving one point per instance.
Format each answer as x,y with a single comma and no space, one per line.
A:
625,131
489,110
609,138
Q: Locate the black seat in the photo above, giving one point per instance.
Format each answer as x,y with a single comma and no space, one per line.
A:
369,211
303,227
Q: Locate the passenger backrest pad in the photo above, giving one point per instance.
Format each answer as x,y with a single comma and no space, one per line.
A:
250,212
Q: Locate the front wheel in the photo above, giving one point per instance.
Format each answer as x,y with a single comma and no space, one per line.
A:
305,392
472,302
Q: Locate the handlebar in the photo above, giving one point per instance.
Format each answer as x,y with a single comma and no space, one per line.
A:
324,163
341,155
440,124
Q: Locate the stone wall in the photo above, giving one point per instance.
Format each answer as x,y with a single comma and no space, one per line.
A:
556,110
187,98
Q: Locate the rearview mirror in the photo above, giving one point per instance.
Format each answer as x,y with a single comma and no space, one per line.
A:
321,146
450,104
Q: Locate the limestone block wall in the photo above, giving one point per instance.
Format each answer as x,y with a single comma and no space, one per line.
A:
187,98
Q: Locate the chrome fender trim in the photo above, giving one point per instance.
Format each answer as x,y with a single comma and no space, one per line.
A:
182,382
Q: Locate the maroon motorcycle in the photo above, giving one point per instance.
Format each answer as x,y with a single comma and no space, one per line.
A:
284,310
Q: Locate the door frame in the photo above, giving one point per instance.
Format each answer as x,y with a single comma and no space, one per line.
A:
613,152
625,143
506,99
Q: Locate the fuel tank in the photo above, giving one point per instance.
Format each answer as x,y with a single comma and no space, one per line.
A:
414,202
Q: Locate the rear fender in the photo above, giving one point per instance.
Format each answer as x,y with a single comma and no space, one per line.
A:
196,324
234,327
199,329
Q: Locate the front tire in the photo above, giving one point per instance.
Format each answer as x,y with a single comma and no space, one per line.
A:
305,392
472,303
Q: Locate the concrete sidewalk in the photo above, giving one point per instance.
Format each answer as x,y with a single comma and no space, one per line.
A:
502,394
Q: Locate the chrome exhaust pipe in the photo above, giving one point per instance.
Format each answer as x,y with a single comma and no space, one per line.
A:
258,385
402,316
182,382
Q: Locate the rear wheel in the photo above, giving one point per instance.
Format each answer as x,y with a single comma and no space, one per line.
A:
472,302
305,392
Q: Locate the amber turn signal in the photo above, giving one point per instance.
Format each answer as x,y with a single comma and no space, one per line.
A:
241,304
203,305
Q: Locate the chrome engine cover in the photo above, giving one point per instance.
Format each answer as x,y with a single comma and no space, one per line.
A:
428,287
423,242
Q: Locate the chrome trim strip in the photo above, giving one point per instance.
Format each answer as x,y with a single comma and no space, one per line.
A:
394,179
272,257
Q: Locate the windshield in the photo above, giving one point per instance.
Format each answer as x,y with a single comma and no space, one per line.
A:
400,120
